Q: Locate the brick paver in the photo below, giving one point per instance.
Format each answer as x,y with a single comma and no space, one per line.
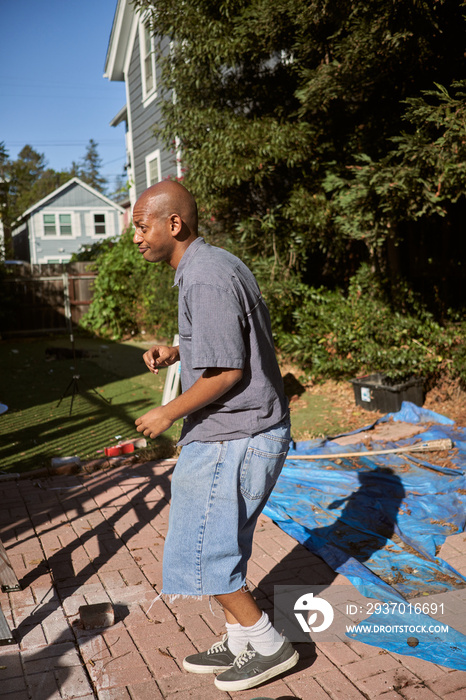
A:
76,540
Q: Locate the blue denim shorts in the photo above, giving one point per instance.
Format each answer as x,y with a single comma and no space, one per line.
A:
218,491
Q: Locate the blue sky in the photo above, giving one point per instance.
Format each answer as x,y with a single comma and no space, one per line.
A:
53,95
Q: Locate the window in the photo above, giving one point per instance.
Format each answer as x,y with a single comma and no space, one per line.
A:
65,224
49,225
62,227
147,62
153,172
99,225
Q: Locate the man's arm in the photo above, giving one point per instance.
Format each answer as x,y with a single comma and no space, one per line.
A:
213,383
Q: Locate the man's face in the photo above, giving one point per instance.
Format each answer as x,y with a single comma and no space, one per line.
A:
152,231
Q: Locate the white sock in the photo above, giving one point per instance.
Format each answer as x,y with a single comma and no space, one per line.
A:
237,639
263,636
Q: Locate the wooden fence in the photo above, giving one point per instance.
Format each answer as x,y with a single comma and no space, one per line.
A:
45,298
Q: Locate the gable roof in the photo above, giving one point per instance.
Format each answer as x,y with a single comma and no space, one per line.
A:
67,185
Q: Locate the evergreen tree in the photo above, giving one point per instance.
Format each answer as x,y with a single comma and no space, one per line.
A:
89,168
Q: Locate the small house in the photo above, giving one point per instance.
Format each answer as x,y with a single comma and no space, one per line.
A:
73,216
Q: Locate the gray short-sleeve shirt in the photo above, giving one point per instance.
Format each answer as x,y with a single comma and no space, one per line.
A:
224,322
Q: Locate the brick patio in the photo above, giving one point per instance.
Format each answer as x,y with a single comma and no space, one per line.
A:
74,540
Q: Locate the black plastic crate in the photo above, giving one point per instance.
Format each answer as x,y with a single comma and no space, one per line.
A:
374,393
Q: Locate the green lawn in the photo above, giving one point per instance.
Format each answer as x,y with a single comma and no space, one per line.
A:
35,428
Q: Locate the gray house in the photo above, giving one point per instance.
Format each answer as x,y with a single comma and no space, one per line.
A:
131,58
73,215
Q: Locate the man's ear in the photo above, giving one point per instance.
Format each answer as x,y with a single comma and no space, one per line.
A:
176,224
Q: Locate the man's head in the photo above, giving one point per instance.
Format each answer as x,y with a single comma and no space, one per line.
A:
165,222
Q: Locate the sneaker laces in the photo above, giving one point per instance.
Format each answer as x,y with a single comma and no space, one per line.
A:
218,646
245,656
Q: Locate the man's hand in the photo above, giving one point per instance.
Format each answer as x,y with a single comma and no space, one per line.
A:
160,356
154,422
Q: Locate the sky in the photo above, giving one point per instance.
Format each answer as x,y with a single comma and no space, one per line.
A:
53,95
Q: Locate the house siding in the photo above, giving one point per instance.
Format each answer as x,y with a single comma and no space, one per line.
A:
143,119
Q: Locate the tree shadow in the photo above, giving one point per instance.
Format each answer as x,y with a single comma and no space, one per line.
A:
365,524
59,567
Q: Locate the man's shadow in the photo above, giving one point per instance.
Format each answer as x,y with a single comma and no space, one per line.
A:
365,524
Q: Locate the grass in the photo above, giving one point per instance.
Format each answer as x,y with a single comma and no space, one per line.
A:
35,428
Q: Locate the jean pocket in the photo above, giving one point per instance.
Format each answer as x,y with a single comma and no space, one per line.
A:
262,465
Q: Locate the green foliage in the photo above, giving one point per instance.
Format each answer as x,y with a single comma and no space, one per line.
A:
92,251
131,295
291,115
423,173
342,335
313,131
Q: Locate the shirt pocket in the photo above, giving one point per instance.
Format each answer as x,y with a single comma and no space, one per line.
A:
262,465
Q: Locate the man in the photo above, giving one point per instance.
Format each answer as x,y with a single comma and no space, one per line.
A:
235,434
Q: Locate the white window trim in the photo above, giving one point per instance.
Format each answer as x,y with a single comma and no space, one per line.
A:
61,259
126,70
40,230
109,224
179,164
147,97
149,158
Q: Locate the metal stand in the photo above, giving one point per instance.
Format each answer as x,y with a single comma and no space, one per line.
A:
75,382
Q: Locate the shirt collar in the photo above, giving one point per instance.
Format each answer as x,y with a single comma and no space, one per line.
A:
188,255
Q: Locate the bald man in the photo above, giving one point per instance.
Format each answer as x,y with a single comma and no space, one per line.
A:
234,438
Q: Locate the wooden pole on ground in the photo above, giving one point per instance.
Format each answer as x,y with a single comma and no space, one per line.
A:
429,446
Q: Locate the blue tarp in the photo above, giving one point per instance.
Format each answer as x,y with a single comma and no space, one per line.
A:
381,520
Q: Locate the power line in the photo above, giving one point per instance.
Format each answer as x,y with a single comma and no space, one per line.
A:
59,144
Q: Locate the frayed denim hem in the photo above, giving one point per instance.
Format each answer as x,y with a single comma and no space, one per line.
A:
171,597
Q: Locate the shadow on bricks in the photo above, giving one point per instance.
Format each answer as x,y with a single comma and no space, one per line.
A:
53,508
367,521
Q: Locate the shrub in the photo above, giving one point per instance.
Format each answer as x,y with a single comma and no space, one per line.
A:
131,295
338,335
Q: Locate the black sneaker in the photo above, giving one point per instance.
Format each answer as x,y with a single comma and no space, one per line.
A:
251,668
217,658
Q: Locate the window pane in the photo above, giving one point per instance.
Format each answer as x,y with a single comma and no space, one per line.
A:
49,225
153,171
149,82
148,72
65,224
99,224
147,41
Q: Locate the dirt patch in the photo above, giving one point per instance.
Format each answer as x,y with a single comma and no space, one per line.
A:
449,399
